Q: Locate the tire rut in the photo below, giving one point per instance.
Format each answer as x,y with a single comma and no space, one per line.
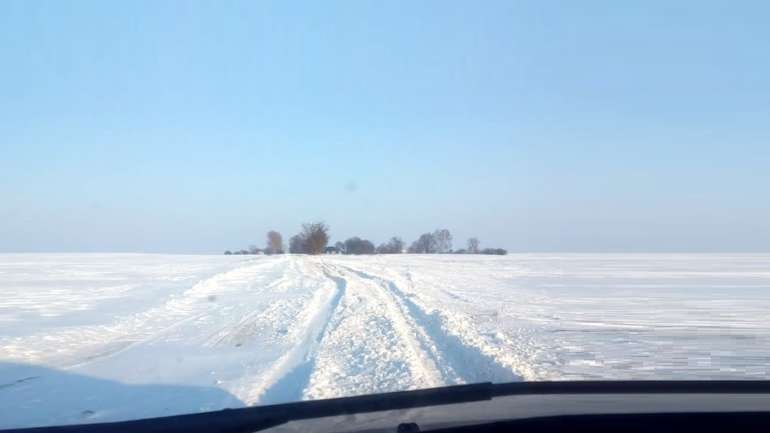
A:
369,346
289,377
460,362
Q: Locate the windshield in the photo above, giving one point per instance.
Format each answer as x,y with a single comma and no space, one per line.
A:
216,205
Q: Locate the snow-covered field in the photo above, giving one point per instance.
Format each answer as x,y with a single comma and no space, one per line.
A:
101,337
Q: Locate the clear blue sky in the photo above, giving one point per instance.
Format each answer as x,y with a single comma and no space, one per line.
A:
536,126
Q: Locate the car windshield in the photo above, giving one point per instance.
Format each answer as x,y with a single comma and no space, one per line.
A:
208,205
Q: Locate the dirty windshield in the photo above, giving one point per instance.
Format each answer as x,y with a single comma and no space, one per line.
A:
208,205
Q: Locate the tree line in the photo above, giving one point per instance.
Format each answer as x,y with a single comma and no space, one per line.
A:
313,238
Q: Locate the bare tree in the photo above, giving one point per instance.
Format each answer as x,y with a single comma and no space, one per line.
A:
443,240
340,247
367,247
356,245
274,243
253,249
473,246
316,236
297,244
426,244
394,246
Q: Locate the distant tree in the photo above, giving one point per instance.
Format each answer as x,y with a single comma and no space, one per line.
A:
297,245
353,245
356,245
274,243
494,251
242,252
253,249
443,240
228,253
394,246
367,247
340,247
315,236
426,244
460,251
473,246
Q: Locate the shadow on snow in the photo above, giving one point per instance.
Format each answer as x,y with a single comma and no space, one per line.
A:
33,396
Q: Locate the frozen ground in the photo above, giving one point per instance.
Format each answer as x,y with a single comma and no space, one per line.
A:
101,337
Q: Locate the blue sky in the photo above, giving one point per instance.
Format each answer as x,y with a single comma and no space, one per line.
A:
537,126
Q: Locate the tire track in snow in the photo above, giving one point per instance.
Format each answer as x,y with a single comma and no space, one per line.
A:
460,361
423,363
369,346
158,323
288,378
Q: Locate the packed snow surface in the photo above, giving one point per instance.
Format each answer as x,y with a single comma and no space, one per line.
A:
104,337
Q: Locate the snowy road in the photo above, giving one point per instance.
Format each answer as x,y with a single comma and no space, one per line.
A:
98,337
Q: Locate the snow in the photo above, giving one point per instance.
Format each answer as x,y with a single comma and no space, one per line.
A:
105,337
